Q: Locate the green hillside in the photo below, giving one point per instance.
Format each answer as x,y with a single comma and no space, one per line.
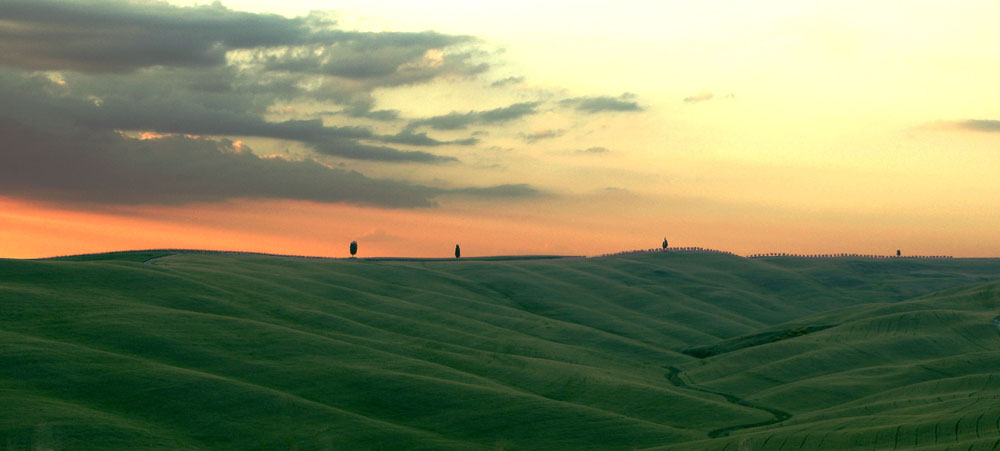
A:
672,350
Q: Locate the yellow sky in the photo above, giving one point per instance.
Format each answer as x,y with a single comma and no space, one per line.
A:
807,128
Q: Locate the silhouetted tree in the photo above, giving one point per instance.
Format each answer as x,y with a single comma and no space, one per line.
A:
458,252
898,253
664,243
354,248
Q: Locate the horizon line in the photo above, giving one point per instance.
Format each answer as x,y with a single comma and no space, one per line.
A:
692,249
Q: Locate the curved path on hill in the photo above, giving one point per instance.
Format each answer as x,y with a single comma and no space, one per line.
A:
154,259
674,376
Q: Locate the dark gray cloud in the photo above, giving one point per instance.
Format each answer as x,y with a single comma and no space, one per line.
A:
281,55
123,103
115,36
52,151
378,115
599,104
980,125
188,86
197,74
80,166
506,191
353,64
85,167
363,110
387,59
593,150
458,121
421,139
357,151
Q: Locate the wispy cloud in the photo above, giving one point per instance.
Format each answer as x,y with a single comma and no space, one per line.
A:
966,125
707,95
699,97
979,125
421,139
507,81
591,105
378,115
542,134
499,191
357,151
593,151
458,121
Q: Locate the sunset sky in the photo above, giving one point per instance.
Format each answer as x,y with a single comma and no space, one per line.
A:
518,127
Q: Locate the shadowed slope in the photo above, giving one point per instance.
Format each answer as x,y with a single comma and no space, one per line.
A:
244,351
919,373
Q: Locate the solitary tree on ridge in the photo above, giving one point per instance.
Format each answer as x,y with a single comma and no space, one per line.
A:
354,248
664,243
458,252
898,253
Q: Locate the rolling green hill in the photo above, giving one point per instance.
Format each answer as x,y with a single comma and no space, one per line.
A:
671,350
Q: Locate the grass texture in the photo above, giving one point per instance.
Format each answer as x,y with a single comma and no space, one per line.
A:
671,350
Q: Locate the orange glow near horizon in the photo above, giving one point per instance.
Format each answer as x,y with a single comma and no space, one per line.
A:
32,230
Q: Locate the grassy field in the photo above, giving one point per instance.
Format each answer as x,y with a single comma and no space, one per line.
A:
673,350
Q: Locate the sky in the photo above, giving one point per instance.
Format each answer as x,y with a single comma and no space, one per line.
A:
519,127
